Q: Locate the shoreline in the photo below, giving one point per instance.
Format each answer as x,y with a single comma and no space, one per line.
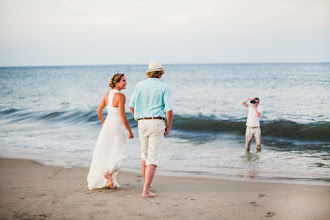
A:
32,190
226,174
244,178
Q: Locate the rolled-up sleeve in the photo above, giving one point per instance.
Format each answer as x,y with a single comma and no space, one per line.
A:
168,99
132,101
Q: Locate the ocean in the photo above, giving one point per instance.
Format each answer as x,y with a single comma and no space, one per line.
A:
48,114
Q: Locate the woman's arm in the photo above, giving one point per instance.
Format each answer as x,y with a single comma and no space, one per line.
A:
100,109
121,107
132,110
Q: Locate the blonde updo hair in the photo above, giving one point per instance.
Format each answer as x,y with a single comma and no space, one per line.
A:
114,79
155,74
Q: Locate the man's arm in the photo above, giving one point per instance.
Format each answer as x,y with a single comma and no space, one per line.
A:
132,101
169,118
257,113
245,100
169,109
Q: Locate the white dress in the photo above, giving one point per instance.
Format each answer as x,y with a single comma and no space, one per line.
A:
110,152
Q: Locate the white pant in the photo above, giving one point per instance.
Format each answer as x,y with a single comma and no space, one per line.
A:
151,133
250,132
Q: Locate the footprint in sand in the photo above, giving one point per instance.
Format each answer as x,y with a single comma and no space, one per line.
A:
254,204
261,195
27,216
270,214
57,171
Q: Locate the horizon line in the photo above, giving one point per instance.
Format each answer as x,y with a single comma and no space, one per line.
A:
136,64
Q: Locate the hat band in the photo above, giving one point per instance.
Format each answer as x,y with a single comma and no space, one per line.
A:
155,69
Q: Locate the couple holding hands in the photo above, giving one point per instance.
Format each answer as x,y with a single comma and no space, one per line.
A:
151,106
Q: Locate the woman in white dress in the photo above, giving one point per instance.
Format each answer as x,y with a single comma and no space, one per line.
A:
110,152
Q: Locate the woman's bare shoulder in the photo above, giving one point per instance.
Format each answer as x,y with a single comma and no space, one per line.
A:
119,95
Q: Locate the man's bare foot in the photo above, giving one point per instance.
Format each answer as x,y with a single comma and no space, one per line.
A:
149,195
109,178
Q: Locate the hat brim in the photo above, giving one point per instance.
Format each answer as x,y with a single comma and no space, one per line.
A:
151,70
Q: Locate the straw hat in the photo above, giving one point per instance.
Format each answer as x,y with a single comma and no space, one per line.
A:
155,66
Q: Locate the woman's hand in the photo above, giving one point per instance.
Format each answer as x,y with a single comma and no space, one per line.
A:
130,135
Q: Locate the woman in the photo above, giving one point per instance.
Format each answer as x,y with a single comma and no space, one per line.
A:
110,152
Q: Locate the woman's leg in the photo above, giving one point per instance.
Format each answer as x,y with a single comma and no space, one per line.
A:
108,176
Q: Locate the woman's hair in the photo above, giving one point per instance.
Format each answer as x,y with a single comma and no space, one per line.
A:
155,74
114,79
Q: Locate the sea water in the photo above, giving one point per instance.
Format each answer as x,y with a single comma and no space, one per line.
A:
49,114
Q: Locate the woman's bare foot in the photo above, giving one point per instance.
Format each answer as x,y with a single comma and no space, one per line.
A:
108,176
149,195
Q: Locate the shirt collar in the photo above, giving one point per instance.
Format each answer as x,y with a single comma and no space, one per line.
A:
153,79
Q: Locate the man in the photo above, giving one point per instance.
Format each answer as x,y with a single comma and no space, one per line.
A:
151,105
253,124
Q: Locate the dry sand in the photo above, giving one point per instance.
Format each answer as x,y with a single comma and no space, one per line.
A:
33,191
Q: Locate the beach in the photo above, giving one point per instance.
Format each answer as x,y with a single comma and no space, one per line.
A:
49,131
30,190
198,66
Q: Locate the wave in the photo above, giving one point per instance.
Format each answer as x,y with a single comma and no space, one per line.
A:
318,131
197,125
74,116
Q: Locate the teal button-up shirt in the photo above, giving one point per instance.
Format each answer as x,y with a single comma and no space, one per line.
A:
151,98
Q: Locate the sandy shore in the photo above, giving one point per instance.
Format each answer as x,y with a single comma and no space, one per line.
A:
33,191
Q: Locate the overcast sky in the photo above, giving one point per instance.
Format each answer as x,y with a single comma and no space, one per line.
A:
81,32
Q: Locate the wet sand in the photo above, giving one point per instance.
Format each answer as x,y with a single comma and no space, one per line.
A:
29,190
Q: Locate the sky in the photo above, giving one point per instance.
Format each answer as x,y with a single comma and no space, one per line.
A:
106,32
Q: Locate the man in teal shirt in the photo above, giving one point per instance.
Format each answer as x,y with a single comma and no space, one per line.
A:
151,106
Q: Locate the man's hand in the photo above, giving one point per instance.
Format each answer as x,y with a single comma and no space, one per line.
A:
167,131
